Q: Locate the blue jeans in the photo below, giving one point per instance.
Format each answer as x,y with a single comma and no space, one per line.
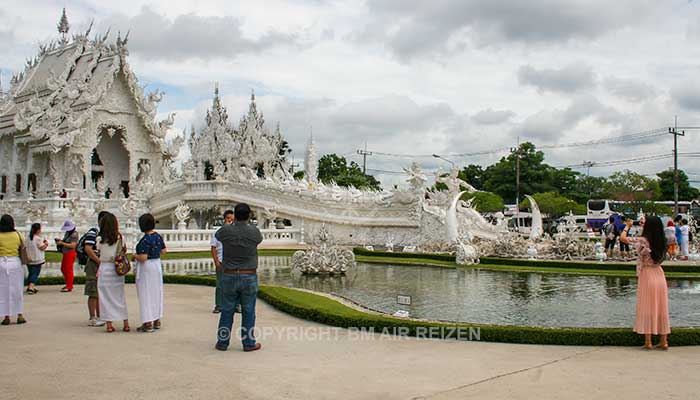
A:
34,271
217,294
237,289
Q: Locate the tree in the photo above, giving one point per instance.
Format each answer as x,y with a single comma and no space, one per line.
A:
474,175
554,205
630,186
299,175
591,187
685,191
485,202
334,168
535,175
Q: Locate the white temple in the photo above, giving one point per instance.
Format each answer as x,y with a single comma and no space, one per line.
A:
76,120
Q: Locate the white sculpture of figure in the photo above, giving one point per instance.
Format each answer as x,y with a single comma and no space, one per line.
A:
219,171
189,171
199,174
101,186
416,178
537,229
453,182
182,213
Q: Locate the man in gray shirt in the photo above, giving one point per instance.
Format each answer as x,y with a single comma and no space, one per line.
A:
239,279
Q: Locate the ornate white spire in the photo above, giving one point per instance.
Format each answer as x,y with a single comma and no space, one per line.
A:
63,26
311,162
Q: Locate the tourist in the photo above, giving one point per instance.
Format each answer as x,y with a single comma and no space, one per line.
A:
624,247
679,236
652,292
64,194
239,280
92,264
610,233
11,271
108,193
149,274
110,285
671,244
35,253
217,254
67,247
685,239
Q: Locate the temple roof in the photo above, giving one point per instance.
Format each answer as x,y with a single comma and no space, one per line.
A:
61,88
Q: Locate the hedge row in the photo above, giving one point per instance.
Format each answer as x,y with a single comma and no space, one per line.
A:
322,309
519,262
330,312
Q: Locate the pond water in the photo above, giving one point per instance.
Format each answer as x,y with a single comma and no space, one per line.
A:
472,295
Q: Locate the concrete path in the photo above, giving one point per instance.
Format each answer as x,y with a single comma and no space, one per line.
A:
56,356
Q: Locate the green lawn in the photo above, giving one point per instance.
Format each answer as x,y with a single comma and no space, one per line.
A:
52,256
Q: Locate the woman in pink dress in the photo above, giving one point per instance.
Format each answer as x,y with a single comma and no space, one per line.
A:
652,291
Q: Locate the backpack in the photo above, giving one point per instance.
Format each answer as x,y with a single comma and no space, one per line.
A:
80,248
610,231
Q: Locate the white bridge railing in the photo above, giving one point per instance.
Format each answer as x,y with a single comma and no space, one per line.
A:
183,239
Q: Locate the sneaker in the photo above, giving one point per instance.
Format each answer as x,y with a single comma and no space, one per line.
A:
257,347
145,328
216,310
238,309
94,321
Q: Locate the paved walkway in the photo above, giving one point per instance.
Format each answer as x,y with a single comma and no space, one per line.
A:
56,356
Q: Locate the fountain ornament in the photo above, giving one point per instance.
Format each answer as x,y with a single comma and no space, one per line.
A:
323,258
531,252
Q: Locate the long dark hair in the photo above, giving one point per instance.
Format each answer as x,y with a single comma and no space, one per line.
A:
36,227
109,229
654,233
7,223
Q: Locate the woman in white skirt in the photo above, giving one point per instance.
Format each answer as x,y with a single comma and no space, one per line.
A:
109,284
149,274
11,272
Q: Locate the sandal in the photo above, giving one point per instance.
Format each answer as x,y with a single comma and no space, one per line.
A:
30,291
65,290
156,324
645,347
126,329
110,329
660,347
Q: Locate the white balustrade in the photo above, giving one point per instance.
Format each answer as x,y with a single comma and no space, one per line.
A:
181,240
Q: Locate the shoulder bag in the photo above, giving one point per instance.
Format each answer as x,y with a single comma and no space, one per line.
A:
121,262
22,250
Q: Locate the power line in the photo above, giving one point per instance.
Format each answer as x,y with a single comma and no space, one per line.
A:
638,136
636,160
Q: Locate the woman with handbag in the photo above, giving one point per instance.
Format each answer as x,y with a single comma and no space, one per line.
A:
12,253
110,282
67,247
149,274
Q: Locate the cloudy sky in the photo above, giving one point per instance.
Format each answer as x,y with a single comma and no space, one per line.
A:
412,77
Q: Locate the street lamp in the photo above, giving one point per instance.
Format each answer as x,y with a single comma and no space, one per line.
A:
444,159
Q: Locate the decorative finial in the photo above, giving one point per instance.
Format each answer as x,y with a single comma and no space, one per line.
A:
63,26
216,89
252,95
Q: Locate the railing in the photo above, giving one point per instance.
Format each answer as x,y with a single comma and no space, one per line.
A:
183,239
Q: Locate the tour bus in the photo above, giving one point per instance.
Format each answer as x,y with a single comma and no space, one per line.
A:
599,211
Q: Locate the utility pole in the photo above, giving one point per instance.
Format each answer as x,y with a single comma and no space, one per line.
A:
674,131
516,151
588,164
364,153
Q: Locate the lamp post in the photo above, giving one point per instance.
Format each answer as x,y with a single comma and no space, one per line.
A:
444,159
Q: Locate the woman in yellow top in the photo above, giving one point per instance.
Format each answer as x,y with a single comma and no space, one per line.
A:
11,272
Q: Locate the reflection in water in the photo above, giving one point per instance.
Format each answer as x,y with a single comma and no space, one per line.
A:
472,295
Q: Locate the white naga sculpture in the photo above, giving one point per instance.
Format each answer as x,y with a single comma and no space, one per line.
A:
465,253
323,258
537,229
